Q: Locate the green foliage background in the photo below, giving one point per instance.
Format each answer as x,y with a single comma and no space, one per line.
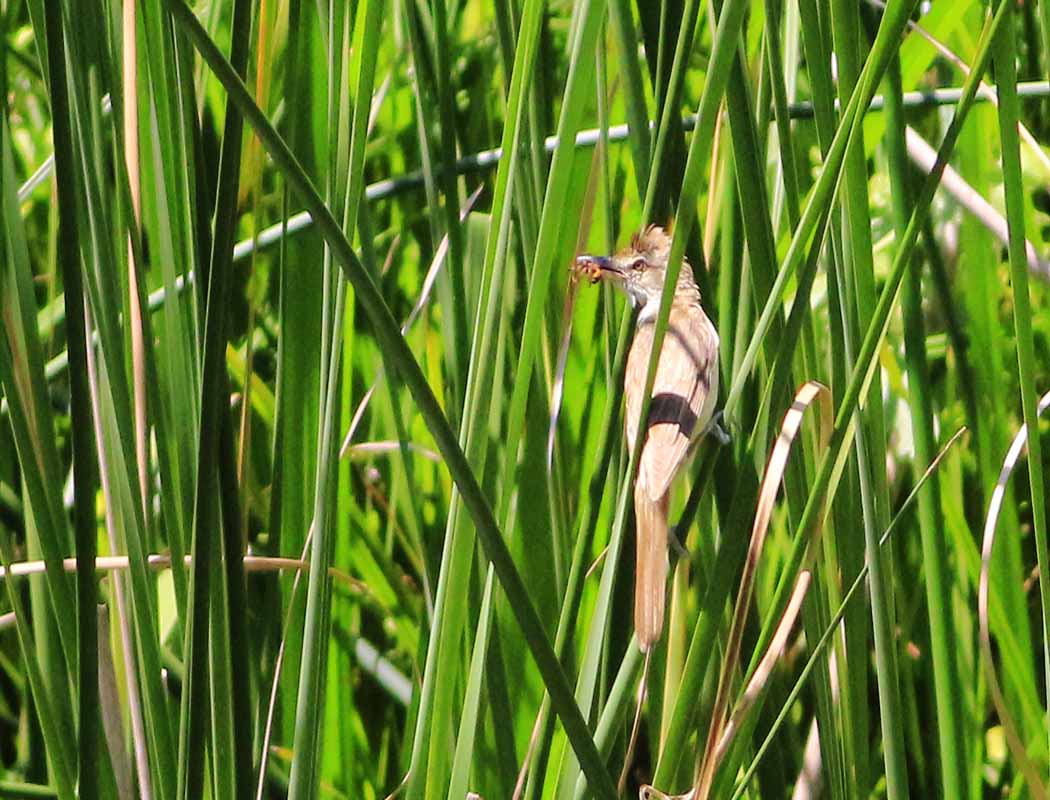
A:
349,565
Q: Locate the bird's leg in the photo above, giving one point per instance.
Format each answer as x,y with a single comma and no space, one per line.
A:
676,543
714,427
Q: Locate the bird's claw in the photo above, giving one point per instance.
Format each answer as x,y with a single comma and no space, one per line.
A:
676,544
714,427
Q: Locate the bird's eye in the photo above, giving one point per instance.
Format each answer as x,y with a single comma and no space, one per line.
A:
638,264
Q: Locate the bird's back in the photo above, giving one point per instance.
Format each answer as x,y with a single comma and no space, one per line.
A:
684,393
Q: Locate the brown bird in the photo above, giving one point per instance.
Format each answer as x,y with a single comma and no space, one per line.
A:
682,407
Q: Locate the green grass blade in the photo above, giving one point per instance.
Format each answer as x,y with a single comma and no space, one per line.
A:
857,293
1004,46
866,362
305,774
196,702
80,414
398,354
442,654
936,560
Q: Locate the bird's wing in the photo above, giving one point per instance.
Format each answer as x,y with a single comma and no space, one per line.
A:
683,394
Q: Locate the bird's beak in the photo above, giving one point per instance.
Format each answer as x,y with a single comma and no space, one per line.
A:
598,267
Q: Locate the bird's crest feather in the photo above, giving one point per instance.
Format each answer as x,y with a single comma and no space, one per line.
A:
651,240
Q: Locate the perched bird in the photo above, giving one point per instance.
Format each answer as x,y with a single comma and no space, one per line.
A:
682,407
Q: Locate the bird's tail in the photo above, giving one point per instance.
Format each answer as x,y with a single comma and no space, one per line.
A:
650,582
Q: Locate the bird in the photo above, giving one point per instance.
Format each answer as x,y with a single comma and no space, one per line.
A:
683,401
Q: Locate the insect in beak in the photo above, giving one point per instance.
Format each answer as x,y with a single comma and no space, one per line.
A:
596,267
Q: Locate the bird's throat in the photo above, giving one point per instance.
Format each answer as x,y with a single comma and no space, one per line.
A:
650,309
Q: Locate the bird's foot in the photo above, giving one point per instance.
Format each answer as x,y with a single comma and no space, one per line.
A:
714,427
676,543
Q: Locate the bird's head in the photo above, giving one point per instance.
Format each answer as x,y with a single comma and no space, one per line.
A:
639,268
